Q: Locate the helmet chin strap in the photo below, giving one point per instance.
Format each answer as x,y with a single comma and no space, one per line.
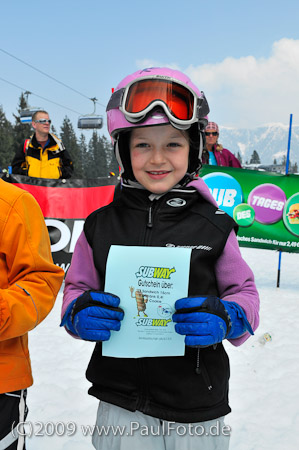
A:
118,158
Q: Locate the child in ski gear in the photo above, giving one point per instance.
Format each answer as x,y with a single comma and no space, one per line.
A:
214,153
157,119
43,155
29,283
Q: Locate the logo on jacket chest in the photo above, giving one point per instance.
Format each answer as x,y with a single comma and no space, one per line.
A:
193,247
176,202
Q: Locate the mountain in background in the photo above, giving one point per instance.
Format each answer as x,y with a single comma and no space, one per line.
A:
270,141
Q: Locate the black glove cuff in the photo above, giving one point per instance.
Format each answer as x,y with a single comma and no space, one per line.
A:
212,305
85,300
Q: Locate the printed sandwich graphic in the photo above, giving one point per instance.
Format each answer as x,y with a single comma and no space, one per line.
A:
293,214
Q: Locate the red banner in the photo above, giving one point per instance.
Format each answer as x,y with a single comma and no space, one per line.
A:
65,205
70,200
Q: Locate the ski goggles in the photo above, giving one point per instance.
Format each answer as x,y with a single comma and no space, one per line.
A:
179,102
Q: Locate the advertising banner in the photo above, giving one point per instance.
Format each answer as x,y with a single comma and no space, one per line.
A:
264,205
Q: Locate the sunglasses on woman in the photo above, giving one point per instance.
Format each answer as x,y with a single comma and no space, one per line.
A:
211,133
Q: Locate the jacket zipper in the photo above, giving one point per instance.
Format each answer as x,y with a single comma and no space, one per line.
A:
151,212
150,217
140,363
201,369
28,293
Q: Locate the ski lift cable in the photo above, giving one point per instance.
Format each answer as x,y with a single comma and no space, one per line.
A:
47,75
39,96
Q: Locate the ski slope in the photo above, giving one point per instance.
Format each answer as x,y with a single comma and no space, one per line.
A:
264,393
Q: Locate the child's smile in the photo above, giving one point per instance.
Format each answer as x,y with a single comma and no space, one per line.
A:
159,157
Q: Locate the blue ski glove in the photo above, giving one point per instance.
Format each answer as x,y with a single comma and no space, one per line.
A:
208,320
93,315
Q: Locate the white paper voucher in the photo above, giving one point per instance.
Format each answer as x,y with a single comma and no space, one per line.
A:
148,281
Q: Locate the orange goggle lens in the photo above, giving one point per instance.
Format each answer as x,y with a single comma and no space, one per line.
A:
179,100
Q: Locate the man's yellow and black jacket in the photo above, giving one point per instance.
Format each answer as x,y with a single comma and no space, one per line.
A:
52,161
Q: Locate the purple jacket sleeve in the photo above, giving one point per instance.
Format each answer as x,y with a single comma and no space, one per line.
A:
236,284
226,158
82,274
234,277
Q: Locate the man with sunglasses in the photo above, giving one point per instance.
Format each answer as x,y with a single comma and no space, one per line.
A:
214,154
43,155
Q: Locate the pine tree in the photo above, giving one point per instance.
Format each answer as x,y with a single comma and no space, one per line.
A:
84,156
69,139
21,130
239,157
53,130
101,157
91,170
275,162
97,157
284,160
112,164
6,141
255,159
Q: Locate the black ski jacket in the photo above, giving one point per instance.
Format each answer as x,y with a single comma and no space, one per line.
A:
191,388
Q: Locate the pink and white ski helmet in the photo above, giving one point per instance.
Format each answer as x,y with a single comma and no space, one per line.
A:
157,96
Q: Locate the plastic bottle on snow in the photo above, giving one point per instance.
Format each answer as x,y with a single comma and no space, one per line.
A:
264,338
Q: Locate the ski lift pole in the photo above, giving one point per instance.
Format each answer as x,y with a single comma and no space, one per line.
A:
94,100
289,144
278,270
287,171
27,93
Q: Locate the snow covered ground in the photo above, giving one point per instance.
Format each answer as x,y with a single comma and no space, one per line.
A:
264,392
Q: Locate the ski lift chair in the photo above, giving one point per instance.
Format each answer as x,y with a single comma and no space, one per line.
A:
91,121
27,113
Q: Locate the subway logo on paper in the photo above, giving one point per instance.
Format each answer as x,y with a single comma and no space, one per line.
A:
154,272
148,322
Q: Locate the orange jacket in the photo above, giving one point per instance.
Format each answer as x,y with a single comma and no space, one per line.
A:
29,282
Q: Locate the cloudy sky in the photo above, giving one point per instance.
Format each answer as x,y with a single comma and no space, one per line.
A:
243,54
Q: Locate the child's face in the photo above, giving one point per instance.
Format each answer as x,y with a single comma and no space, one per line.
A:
159,157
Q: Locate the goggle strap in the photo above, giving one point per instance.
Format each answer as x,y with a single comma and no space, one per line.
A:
202,106
201,145
115,99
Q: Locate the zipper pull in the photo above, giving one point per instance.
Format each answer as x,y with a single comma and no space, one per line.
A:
150,218
198,368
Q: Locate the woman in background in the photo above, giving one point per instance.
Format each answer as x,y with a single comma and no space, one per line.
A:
214,154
